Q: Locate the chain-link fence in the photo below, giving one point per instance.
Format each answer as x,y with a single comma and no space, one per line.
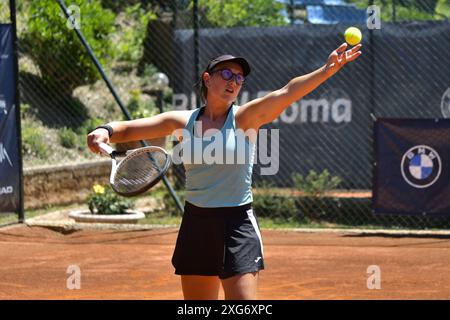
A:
324,172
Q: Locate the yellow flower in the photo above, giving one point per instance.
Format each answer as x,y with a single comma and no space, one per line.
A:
99,189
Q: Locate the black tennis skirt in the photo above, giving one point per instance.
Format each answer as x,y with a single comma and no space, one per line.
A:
220,242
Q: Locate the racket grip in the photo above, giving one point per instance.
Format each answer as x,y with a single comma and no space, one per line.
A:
107,148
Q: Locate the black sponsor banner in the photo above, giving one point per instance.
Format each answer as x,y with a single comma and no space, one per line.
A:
9,152
412,167
330,128
412,80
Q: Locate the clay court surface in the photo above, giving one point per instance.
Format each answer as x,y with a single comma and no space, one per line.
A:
299,265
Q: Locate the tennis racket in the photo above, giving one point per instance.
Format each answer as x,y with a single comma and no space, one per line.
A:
138,171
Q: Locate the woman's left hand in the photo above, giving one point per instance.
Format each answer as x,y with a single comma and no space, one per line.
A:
339,57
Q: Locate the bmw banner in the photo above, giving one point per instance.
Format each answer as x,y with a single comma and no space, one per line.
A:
9,151
412,167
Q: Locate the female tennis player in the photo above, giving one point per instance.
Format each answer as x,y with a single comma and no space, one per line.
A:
219,241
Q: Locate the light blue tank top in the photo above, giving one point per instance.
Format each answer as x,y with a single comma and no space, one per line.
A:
218,167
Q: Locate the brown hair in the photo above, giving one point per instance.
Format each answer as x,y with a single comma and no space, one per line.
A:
201,88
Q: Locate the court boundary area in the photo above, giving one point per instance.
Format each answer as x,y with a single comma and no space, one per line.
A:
60,220
300,264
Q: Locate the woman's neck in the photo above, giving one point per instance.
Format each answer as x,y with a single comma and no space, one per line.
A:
216,111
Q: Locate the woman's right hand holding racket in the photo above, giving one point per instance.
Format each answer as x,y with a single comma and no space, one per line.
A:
95,138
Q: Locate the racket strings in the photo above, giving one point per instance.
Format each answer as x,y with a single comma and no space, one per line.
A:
139,171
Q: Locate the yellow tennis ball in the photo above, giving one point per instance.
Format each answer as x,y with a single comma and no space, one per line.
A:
353,36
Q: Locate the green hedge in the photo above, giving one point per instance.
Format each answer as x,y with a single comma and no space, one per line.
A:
352,212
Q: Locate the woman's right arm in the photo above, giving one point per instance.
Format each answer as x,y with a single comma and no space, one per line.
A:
160,125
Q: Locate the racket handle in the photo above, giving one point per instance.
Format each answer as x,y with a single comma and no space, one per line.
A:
107,148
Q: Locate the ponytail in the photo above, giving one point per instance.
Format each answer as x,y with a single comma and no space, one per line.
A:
201,89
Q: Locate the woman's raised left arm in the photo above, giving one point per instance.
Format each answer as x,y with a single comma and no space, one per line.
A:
264,110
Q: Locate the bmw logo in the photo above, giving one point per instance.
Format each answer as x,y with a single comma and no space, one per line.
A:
445,104
421,166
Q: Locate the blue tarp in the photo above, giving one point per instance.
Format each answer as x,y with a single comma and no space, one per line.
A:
335,14
313,2
328,11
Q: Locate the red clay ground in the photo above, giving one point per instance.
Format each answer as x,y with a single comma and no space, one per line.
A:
136,265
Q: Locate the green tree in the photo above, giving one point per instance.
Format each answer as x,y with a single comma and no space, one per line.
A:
121,5
131,33
409,10
53,44
240,13
4,12
443,9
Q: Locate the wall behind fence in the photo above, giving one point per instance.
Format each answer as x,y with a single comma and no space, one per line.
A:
63,184
403,72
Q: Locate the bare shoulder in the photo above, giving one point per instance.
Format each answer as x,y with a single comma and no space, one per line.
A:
239,115
180,117
243,123
244,119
